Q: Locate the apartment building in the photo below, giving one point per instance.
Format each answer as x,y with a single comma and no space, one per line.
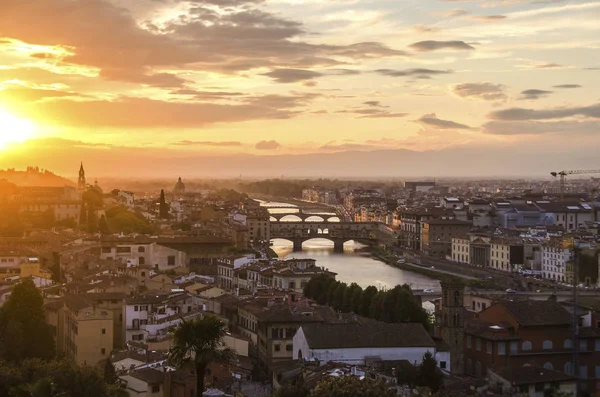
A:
437,234
88,330
149,317
554,260
461,249
507,254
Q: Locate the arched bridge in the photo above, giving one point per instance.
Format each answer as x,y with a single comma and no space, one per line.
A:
338,232
304,215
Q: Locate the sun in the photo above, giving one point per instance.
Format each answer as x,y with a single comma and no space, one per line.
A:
14,129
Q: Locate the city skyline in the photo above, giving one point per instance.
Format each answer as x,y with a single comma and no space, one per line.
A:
237,86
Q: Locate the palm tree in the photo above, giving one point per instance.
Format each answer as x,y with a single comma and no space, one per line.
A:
200,341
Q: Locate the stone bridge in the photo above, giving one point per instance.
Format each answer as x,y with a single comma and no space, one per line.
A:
338,232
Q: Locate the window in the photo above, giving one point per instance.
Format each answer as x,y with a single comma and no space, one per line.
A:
583,345
468,341
526,346
136,308
514,347
103,331
442,364
597,371
289,347
141,249
598,345
489,347
123,250
547,345
106,250
568,369
103,351
277,347
144,308
171,260
548,366
478,344
568,344
501,346
141,260
583,372
155,388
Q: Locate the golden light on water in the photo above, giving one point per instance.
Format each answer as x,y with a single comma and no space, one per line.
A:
14,129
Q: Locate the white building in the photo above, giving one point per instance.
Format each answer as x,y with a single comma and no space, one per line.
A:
554,261
355,343
150,317
460,249
142,251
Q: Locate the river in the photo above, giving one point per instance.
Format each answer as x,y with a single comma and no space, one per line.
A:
351,266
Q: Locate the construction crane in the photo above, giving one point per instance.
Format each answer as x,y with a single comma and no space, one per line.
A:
563,176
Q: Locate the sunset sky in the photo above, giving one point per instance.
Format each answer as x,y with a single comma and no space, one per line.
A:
111,81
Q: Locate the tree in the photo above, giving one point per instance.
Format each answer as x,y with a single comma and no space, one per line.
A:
200,341
351,386
110,375
83,215
429,375
367,297
103,225
338,296
163,207
24,332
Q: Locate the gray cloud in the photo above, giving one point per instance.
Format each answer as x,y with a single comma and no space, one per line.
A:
534,94
483,91
517,114
538,127
567,86
432,45
547,65
418,73
489,18
374,104
267,145
431,120
375,111
292,75
456,13
207,143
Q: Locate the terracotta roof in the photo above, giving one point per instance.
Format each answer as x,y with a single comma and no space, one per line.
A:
340,336
532,313
149,375
530,375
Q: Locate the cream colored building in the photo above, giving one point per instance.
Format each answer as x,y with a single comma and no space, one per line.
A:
460,250
88,331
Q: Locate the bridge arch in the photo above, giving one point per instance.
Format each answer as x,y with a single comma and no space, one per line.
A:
314,218
290,218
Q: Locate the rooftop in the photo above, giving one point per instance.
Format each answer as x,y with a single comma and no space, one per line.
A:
530,375
359,335
536,313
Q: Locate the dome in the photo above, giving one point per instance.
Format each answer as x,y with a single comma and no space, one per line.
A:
179,186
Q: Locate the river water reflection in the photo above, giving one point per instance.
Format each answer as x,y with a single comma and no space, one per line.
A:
352,265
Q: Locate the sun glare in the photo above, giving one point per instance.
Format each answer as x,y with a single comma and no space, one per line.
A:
14,129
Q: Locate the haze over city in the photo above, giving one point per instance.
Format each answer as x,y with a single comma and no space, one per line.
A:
349,88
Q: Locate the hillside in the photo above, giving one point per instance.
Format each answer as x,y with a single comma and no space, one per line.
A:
34,176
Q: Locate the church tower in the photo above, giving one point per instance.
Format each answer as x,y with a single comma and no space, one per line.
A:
81,183
452,322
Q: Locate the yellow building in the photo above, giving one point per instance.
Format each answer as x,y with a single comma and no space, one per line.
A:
88,330
33,267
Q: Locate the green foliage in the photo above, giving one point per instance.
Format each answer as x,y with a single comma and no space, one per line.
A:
351,386
200,341
103,226
231,195
397,305
296,389
23,330
123,221
429,375
39,378
110,375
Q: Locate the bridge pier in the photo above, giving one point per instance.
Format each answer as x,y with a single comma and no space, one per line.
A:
338,246
297,245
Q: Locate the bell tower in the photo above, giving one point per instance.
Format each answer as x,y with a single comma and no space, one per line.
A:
452,323
81,182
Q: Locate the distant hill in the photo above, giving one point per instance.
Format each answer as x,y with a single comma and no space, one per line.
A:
34,176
